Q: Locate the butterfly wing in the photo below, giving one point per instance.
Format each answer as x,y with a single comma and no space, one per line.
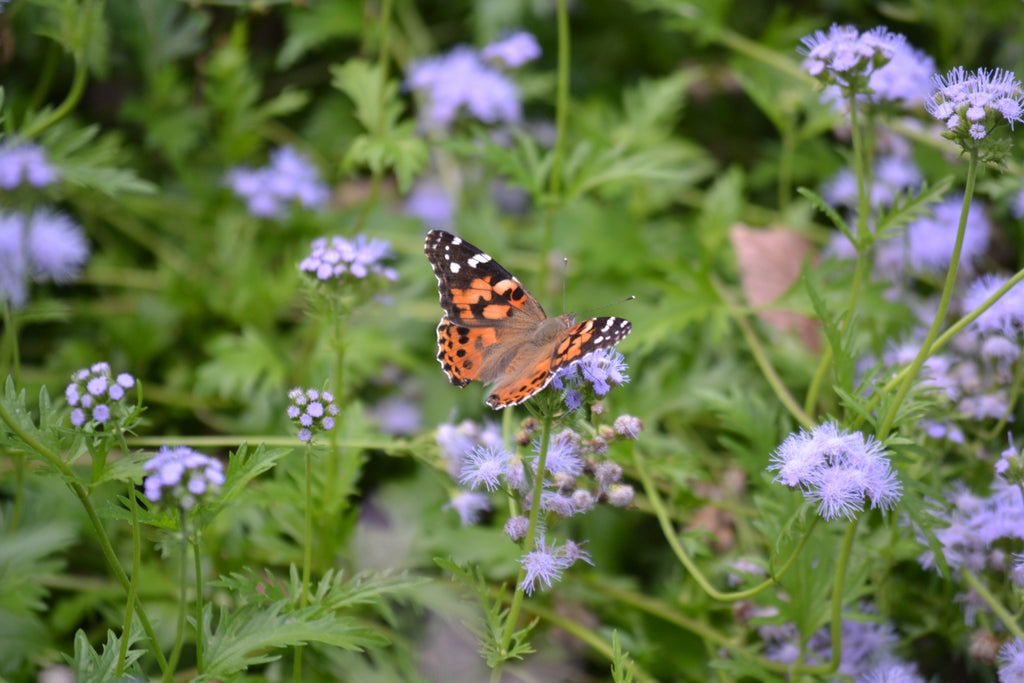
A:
488,313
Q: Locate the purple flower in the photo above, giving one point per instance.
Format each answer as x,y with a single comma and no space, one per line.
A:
513,51
838,470
927,246
562,455
398,416
972,103
45,245
1011,662
892,672
181,476
332,258
866,644
456,442
460,80
430,202
892,175
484,467
312,411
95,395
844,55
1006,315
469,505
601,370
23,162
544,565
268,190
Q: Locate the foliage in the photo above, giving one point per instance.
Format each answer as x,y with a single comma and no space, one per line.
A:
785,229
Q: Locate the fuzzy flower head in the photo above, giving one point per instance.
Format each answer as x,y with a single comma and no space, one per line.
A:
457,442
847,58
927,246
469,505
337,257
311,411
459,81
43,246
1006,315
513,51
485,467
96,397
270,190
182,477
838,470
25,163
545,564
1011,662
973,103
591,377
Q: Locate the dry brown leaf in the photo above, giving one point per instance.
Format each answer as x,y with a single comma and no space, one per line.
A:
769,261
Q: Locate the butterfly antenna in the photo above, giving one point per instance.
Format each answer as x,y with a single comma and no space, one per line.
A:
565,276
601,308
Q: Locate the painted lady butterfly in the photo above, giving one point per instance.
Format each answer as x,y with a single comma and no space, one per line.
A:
495,331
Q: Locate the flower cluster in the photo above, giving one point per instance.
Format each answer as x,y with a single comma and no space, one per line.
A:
23,162
978,527
312,411
269,190
846,57
332,258
1005,317
868,648
838,470
902,81
972,103
545,564
575,479
42,246
93,392
1011,661
182,477
464,79
591,376
927,246
893,174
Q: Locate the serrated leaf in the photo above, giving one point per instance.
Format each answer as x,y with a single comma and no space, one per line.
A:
90,666
240,366
819,202
249,636
316,24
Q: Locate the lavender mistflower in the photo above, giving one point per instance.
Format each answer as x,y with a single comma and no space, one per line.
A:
269,190
892,175
1006,315
973,103
460,80
484,467
838,470
456,442
95,395
513,51
545,563
562,455
469,505
845,57
892,672
866,644
25,163
430,202
335,257
312,411
1011,662
600,371
182,477
927,246
43,246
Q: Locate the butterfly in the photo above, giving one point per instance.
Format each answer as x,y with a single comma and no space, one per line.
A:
493,330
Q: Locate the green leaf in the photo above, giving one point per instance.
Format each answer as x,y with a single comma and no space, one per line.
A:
90,666
623,668
240,366
819,202
250,635
315,24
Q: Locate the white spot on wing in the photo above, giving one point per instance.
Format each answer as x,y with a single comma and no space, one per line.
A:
455,267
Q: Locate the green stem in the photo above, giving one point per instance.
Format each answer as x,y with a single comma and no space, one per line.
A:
528,545
179,640
561,127
307,551
198,560
942,340
10,341
940,314
94,519
997,607
776,383
136,561
74,95
670,535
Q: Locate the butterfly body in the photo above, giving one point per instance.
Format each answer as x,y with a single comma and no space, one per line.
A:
493,330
